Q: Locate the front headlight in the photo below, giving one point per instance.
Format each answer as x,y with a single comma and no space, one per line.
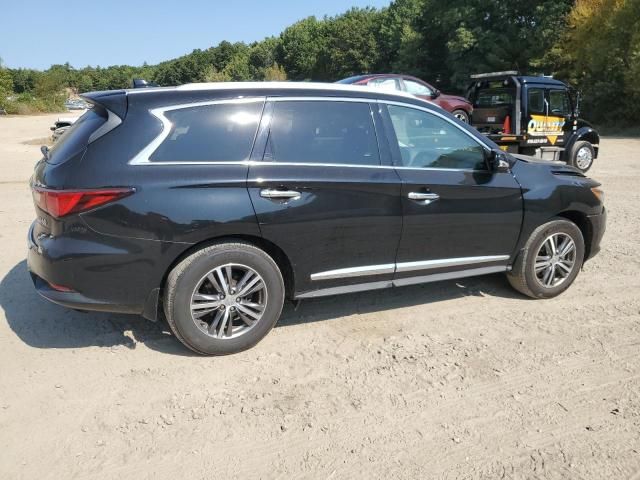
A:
599,193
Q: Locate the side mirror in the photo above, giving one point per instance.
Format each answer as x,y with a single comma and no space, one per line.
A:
497,161
436,93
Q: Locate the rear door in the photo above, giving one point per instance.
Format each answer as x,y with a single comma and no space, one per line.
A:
325,192
458,215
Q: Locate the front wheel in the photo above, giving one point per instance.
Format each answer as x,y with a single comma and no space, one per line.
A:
461,115
550,260
223,298
582,155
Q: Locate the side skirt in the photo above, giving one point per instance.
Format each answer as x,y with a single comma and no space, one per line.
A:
401,282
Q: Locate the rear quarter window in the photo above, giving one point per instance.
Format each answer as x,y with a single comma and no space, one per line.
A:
222,132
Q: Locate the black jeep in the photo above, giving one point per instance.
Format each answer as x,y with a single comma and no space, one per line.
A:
531,115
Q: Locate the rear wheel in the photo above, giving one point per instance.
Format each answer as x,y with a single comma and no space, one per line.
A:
582,155
550,260
461,115
224,298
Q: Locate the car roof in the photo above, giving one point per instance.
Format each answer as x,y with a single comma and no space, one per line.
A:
195,92
357,78
540,79
537,79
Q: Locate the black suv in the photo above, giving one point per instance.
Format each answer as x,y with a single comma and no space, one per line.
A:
211,204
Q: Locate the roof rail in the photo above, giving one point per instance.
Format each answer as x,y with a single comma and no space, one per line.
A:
495,74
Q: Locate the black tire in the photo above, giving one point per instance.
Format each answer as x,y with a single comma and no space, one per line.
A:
461,115
188,275
582,156
523,274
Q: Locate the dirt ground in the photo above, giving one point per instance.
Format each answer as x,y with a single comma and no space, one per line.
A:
461,379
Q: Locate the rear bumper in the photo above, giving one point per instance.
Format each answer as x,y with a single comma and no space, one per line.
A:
45,273
597,226
90,271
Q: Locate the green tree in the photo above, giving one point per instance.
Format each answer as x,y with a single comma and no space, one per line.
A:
351,45
461,37
301,45
6,85
600,53
274,73
397,36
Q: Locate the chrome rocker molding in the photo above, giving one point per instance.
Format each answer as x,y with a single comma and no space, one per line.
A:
355,272
401,282
448,262
405,267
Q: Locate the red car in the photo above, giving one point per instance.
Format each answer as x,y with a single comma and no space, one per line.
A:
458,106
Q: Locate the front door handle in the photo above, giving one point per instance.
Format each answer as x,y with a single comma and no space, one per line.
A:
279,194
424,198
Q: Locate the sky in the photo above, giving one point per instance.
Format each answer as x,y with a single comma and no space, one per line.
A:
38,33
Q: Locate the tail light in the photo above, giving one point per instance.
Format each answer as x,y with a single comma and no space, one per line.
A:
506,127
59,203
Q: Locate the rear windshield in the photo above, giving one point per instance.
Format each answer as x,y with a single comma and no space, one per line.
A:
494,97
75,140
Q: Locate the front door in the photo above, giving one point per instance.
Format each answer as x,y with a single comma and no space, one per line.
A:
326,194
560,115
458,215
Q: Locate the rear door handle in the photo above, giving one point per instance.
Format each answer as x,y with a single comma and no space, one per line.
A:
279,194
424,198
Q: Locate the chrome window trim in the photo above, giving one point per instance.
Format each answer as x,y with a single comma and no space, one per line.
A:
143,156
402,267
301,164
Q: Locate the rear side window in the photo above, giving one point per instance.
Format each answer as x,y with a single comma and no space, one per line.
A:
322,132
384,84
76,139
222,132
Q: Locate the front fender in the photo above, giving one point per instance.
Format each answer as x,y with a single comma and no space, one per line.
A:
586,133
549,191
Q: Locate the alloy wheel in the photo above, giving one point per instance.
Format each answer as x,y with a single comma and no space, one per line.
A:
461,116
229,301
584,157
555,260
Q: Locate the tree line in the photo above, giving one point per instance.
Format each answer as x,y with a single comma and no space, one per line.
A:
592,44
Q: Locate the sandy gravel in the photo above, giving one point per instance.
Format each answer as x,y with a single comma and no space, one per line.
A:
459,379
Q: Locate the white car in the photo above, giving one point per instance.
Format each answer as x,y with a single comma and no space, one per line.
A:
61,125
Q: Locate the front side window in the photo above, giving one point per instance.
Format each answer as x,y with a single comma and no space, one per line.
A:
222,132
322,132
535,98
415,88
428,141
559,102
384,84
